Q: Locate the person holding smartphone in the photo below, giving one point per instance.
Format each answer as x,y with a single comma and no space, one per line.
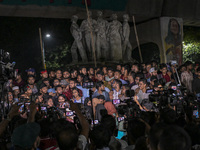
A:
76,96
62,101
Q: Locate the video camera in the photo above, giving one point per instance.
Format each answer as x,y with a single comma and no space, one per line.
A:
6,68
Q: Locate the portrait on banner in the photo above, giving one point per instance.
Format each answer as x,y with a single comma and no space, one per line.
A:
172,36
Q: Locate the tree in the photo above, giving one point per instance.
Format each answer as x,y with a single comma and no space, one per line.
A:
58,58
191,45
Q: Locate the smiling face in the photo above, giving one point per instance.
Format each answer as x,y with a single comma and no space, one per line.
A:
117,75
75,93
50,102
61,99
142,85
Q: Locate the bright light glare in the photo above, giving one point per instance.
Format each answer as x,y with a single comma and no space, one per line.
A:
48,35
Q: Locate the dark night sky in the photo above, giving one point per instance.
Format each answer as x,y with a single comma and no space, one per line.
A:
20,37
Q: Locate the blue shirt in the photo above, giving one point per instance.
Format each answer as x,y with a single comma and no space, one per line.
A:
123,81
85,91
104,93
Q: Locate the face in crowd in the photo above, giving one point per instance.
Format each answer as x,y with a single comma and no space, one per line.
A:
58,74
44,75
50,102
142,85
72,84
52,74
31,80
66,75
61,99
10,96
56,82
110,73
117,75
75,93
100,77
59,90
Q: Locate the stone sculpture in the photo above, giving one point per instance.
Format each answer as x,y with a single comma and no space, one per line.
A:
110,39
126,45
114,36
77,35
85,28
102,47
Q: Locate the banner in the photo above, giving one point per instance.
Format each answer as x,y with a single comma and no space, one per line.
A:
172,36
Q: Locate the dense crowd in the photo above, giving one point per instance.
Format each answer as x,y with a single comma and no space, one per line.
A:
146,106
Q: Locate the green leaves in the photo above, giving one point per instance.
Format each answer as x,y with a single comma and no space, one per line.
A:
191,52
57,58
191,44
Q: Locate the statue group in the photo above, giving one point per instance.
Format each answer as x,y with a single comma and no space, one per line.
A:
109,40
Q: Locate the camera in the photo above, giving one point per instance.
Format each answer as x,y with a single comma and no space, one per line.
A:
6,68
88,85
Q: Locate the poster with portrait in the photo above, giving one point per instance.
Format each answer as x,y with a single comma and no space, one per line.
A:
172,36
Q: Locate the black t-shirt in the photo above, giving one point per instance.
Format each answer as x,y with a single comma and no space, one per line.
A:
196,85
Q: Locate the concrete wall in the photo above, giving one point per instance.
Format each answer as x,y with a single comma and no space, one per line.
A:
148,32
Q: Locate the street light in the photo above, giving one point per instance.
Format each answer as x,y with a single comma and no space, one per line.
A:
48,35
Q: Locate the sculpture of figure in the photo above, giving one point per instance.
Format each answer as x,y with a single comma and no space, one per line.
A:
77,35
114,36
126,48
102,47
85,28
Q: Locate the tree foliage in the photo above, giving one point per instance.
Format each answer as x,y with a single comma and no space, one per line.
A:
191,44
58,58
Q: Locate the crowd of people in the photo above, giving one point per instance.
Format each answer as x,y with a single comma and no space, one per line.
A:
146,106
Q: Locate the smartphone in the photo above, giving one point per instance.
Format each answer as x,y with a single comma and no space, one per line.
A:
116,101
174,88
96,121
27,107
149,91
120,119
173,62
21,109
69,113
44,108
196,113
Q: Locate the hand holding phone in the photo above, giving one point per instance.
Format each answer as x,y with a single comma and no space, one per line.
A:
116,101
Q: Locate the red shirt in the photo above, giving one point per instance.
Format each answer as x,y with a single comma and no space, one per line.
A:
110,108
166,77
20,84
69,95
